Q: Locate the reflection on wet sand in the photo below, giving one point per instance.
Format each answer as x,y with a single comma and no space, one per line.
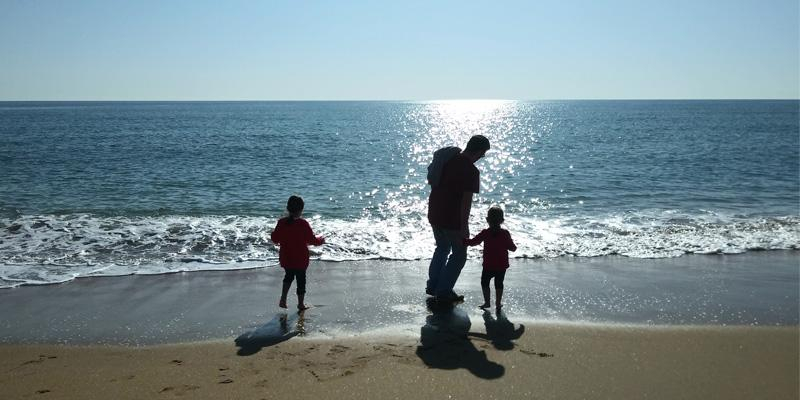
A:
278,329
500,331
445,344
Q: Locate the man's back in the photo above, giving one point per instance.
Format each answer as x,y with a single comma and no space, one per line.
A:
444,204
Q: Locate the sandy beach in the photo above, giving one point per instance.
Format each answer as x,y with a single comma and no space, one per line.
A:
547,362
573,328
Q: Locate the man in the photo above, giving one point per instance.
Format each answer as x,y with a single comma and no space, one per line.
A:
449,206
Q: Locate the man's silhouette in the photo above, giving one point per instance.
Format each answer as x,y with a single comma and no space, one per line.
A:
454,179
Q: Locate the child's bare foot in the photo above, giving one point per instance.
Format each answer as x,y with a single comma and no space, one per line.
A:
282,304
302,307
484,305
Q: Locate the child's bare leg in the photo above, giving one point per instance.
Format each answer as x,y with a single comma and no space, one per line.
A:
499,301
301,305
301,290
498,287
486,291
287,283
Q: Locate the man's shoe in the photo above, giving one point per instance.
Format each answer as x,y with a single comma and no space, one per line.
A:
456,297
451,298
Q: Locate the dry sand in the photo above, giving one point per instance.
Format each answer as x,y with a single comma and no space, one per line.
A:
547,361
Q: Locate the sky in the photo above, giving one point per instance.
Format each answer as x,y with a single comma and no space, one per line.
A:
399,50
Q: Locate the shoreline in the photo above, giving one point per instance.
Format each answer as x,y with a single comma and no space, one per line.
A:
352,298
196,266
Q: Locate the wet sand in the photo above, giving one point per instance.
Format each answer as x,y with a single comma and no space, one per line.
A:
607,327
354,298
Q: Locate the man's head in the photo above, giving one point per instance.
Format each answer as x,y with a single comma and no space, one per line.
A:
477,146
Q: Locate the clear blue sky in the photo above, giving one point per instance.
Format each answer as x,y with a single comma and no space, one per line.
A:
400,50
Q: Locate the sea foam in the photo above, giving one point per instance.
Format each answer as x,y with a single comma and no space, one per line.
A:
45,249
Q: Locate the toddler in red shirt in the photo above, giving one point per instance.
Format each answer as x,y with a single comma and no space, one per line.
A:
293,234
496,244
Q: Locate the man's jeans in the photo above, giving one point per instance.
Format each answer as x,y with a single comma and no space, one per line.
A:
443,271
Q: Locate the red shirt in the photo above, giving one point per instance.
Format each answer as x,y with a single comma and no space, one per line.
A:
294,239
459,175
495,248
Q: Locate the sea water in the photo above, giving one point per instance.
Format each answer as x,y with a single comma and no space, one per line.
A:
116,188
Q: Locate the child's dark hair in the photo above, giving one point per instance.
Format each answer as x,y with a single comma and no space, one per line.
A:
294,206
495,218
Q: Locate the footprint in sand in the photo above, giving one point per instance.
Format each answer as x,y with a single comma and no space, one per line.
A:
127,378
39,360
315,376
180,390
336,349
176,362
360,362
327,374
534,353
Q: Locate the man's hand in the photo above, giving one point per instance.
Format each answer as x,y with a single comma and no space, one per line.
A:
466,207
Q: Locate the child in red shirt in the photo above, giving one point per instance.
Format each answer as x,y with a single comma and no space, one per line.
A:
293,234
496,244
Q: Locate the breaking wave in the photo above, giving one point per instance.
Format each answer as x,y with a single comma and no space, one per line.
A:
43,249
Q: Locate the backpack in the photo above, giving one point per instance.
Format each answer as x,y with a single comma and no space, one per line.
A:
440,158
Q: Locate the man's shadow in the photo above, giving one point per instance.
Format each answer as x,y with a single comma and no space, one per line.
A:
445,344
500,331
279,329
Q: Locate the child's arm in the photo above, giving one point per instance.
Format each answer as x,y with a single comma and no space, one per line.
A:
313,240
511,245
275,235
475,241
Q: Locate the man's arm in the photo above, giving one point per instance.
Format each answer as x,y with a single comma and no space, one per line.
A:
466,207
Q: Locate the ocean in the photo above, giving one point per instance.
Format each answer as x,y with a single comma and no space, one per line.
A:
119,188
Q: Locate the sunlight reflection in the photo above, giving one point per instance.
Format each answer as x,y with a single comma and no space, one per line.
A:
455,121
513,129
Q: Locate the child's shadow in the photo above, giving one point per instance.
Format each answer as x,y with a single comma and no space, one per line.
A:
500,332
279,329
445,344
